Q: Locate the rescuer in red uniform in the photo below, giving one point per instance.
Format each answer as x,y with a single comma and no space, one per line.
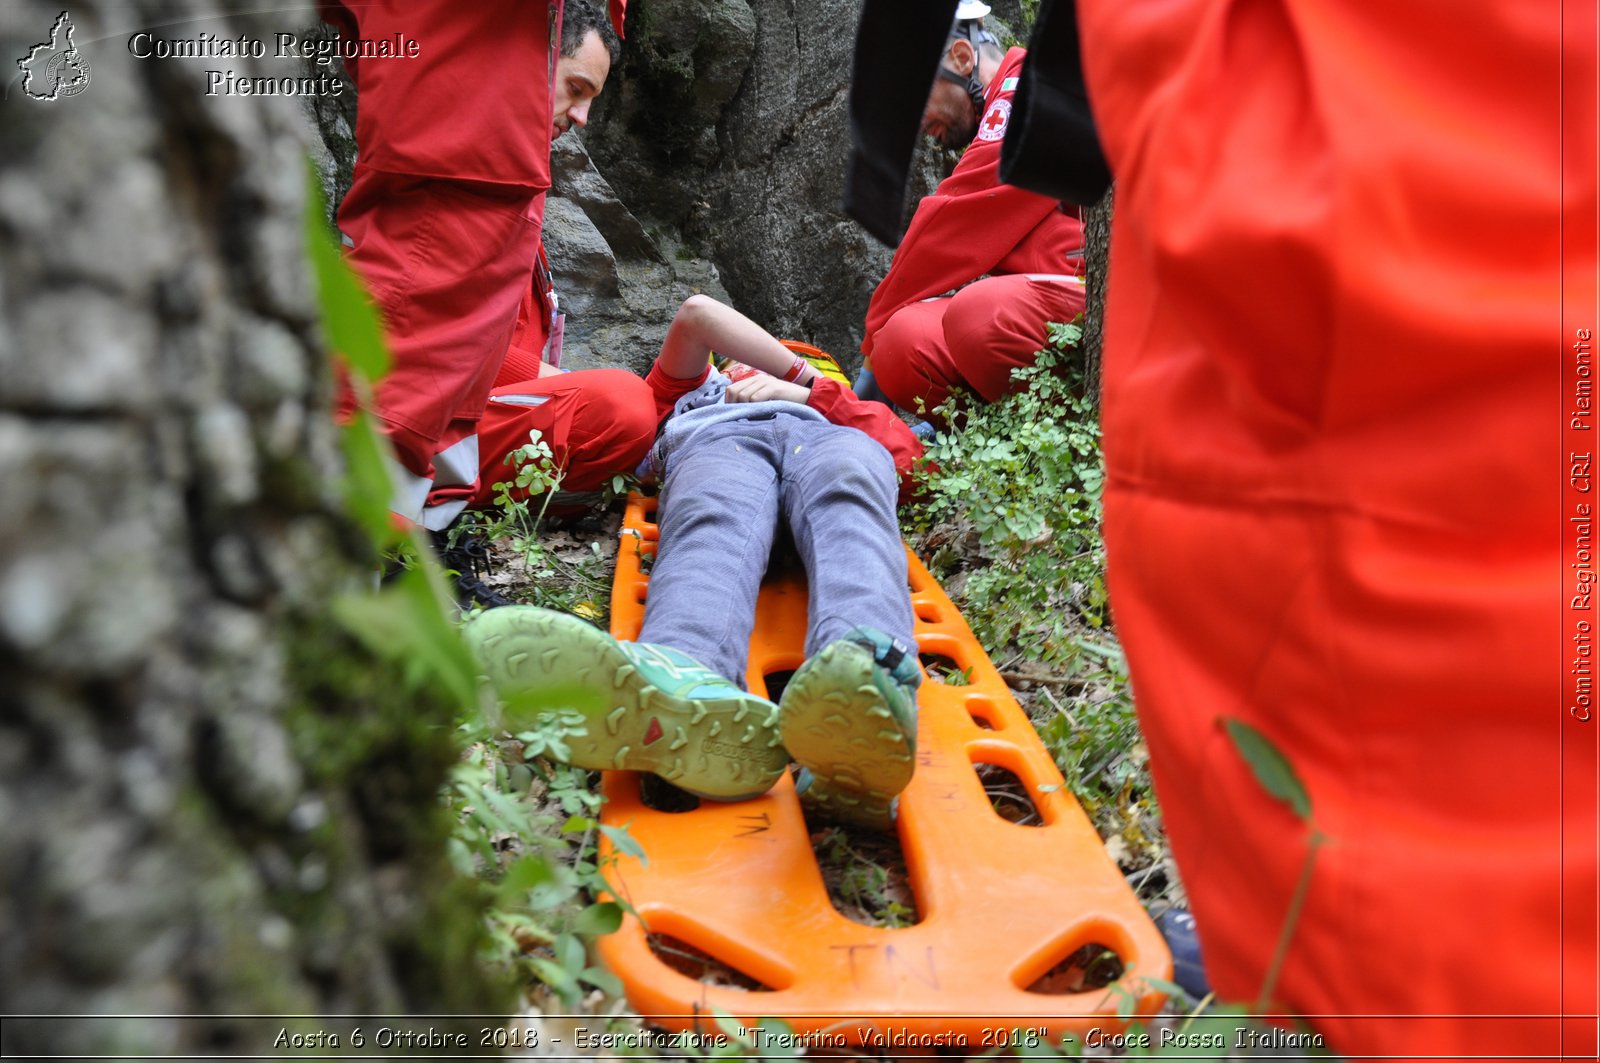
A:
1338,503
597,422
1332,496
1014,258
452,253
443,217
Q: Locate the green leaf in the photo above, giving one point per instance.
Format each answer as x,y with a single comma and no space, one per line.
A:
461,857
623,842
406,622
602,980
523,876
489,810
1161,985
368,487
779,1041
349,319
601,918
1272,769
552,895
570,953
1127,1002
558,978
728,1024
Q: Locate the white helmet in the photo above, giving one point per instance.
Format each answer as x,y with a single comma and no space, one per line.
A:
968,26
969,22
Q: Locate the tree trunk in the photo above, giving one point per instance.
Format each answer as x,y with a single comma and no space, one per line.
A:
211,801
1097,259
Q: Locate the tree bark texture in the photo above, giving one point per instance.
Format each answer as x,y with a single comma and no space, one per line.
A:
211,801
1097,259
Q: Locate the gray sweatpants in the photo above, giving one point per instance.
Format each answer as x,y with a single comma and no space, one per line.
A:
720,505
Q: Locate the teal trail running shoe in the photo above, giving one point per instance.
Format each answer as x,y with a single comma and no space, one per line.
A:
849,718
642,707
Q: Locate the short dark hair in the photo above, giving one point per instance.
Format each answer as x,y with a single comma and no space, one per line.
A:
579,18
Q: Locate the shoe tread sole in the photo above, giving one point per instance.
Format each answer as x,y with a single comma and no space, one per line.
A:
836,722
548,661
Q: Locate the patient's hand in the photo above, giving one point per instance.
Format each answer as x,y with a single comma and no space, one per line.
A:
761,387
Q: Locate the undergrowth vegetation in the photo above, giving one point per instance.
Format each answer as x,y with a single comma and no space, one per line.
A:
1011,505
1009,523
565,570
528,826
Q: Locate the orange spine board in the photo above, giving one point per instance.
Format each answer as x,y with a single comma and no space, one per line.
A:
1000,903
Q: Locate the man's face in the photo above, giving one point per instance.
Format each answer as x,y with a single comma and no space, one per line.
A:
579,79
949,118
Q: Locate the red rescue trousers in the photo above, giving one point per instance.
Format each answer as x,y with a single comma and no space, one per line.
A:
597,423
442,220
1333,419
447,266
971,340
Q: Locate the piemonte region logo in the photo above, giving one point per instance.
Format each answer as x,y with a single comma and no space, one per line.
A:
55,68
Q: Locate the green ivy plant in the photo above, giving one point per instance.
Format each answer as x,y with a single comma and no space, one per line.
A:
1008,519
1018,484
539,860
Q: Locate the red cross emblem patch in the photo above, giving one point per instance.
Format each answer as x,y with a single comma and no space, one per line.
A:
993,125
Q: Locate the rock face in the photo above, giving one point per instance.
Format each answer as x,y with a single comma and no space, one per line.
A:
728,129
619,285
725,137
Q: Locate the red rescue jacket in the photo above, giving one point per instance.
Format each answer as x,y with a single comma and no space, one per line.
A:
973,225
